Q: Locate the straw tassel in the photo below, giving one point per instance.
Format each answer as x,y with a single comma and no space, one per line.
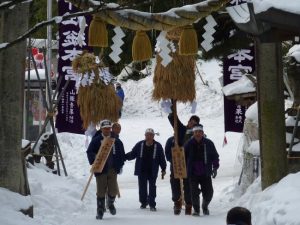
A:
98,35
141,47
188,43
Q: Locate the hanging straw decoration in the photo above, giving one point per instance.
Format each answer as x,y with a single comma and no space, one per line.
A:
176,80
188,43
96,100
98,35
141,47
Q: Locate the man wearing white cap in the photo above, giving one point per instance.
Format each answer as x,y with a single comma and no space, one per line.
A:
149,157
202,164
107,179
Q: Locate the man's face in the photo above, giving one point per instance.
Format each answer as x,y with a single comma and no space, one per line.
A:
191,123
198,134
106,131
116,129
149,137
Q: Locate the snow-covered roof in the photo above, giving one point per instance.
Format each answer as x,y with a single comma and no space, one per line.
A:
33,75
295,52
25,143
284,5
241,86
43,43
240,13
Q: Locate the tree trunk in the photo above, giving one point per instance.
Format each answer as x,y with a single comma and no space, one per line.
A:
271,112
13,22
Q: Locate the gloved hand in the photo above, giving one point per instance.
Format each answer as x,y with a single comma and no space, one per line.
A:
163,173
214,173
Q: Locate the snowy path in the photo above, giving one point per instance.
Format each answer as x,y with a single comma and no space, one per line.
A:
65,192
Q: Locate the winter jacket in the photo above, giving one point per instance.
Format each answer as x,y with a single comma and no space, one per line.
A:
118,153
158,158
120,93
168,148
201,163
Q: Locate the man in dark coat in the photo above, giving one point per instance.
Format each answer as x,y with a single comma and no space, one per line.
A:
107,179
202,164
149,157
184,134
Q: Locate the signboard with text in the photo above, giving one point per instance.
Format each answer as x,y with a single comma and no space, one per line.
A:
68,117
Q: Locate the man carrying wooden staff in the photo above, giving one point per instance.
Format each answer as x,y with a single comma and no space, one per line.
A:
107,179
184,134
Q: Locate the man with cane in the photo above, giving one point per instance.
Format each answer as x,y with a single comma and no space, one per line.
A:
106,179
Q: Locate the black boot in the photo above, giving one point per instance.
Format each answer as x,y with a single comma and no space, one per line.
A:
205,207
111,207
196,210
100,208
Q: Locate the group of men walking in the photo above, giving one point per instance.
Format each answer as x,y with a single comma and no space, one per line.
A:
202,161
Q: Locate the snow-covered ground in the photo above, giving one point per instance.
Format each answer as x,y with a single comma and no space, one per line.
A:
56,199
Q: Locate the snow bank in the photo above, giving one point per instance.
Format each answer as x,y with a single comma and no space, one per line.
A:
11,204
278,204
242,86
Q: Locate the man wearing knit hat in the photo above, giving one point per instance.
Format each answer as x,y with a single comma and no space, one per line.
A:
202,164
149,157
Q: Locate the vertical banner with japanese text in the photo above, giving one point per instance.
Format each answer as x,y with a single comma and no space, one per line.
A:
68,117
234,67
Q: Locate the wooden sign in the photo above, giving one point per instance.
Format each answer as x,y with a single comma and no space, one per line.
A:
102,155
178,161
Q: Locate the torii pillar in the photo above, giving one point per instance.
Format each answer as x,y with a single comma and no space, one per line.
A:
270,94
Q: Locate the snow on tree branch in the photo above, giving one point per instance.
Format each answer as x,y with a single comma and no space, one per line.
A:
11,4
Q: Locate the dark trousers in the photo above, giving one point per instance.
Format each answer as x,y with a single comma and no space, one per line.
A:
176,192
207,190
147,197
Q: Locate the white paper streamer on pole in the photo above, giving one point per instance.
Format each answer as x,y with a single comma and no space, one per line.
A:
208,35
166,106
194,107
117,43
163,49
82,25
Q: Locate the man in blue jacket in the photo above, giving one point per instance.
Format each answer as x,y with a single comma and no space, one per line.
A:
107,179
149,156
184,134
202,164
120,93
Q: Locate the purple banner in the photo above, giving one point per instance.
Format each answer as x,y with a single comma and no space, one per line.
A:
71,43
234,66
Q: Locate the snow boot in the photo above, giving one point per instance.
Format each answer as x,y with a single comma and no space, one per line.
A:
196,211
205,207
100,208
111,206
177,207
188,209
